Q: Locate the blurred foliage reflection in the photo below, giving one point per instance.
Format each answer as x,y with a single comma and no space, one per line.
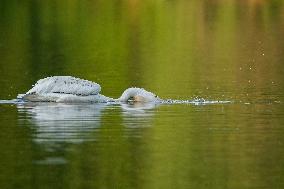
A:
231,47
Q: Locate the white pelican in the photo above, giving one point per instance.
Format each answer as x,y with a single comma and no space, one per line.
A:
71,89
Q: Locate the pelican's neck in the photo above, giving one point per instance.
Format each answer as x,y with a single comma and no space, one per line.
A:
137,95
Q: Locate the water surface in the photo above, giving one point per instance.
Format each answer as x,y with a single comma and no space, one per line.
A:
186,50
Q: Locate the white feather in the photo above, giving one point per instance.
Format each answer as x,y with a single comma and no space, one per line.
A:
69,98
65,85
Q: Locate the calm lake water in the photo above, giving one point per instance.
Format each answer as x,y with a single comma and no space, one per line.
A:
209,49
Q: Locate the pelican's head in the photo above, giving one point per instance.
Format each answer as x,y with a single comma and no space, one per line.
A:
138,95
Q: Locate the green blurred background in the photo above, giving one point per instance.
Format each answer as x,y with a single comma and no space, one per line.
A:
177,49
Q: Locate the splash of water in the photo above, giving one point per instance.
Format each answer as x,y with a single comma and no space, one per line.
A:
198,101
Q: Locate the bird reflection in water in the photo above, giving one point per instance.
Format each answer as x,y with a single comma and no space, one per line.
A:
56,123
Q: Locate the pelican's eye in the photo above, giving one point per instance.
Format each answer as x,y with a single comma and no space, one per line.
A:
131,99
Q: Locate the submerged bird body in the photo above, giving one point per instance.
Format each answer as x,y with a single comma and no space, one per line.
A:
71,89
61,97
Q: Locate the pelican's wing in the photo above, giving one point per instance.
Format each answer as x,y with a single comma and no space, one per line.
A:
66,85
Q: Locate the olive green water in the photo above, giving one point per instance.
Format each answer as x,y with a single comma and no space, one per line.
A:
217,50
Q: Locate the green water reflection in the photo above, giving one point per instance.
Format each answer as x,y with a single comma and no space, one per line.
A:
220,50
214,146
211,48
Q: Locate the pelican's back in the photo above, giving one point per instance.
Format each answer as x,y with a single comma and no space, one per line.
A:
65,85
